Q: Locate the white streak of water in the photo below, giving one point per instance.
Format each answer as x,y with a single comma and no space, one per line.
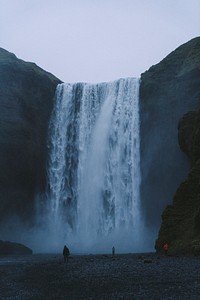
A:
94,166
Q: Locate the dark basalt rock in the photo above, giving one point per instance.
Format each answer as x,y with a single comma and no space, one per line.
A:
10,248
26,100
181,220
189,135
168,90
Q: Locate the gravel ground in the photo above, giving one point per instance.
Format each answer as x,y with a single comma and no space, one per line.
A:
99,277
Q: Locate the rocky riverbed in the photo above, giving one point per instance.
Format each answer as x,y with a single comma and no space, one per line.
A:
99,277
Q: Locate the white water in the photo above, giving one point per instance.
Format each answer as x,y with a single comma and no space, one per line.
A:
94,167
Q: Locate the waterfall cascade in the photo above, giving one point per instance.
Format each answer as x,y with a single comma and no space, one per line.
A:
94,167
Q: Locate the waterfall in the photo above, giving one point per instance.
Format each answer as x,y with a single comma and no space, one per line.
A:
94,167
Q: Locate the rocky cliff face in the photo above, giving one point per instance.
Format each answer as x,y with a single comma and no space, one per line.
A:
26,99
181,221
168,91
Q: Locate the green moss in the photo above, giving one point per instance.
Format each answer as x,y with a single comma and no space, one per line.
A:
179,247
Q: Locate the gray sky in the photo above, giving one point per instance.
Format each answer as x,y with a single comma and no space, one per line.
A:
96,40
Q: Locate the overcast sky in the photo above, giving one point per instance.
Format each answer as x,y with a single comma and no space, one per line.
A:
96,40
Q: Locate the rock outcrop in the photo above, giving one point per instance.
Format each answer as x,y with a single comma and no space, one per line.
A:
168,91
26,99
10,248
181,221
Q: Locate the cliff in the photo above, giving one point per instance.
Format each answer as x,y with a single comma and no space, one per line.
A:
181,221
168,90
26,99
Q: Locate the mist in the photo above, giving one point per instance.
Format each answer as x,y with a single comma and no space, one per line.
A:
43,239
92,202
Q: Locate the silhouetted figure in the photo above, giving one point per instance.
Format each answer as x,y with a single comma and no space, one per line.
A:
166,248
113,251
66,253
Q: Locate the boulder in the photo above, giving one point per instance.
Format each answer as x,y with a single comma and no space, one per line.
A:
10,248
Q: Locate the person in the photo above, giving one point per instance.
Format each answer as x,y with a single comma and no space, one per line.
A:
66,253
113,251
166,248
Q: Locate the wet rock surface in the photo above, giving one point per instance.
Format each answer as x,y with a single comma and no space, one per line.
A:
99,277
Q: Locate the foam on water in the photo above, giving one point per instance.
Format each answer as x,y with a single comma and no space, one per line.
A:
94,167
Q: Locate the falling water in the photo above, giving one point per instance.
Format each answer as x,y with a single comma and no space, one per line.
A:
94,166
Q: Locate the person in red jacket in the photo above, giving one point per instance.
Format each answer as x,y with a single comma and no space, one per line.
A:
166,248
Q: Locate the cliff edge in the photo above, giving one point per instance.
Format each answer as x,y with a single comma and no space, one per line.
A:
26,100
168,90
